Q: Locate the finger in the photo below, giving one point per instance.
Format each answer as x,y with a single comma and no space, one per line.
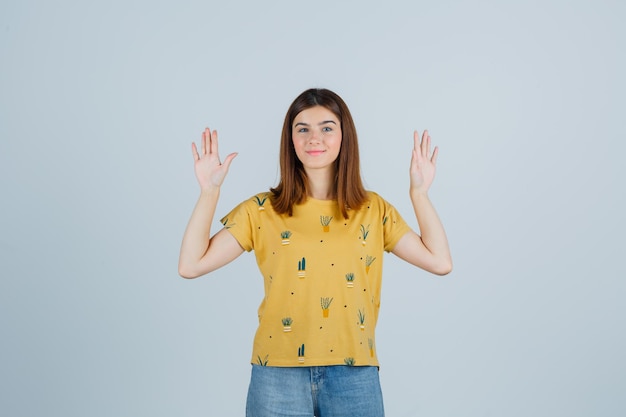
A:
205,135
416,139
416,161
213,143
434,157
229,159
424,143
194,151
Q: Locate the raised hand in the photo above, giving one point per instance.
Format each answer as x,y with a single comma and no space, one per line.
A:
423,164
210,172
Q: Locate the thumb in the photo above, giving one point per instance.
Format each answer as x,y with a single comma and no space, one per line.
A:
229,159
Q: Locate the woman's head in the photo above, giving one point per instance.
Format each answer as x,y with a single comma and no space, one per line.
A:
293,186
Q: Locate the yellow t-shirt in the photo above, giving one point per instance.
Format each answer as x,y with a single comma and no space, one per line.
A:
322,276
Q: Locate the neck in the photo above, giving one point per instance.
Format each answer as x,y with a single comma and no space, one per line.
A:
321,184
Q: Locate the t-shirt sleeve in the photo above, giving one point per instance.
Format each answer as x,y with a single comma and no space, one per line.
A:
394,226
239,223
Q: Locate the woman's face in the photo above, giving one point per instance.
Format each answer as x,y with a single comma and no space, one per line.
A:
316,134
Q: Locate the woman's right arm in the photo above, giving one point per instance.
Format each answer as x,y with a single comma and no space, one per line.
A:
200,254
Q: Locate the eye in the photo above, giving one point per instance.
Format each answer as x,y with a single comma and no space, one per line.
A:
327,129
303,130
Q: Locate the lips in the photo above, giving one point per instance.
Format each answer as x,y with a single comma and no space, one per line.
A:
315,152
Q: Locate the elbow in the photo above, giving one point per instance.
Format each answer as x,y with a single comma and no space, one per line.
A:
444,268
186,272
193,270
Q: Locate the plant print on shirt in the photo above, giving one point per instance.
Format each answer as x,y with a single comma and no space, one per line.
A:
287,322
325,220
260,201
350,279
365,231
302,268
361,322
369,260
226,224
325,302
284,237
301,354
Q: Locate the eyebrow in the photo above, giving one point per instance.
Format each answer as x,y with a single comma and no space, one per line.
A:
319,124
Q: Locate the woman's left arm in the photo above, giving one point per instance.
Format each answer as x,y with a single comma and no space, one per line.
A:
430,251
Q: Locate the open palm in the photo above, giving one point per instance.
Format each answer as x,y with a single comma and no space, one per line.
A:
210,171
423,163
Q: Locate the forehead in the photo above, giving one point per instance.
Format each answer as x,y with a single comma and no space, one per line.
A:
315,115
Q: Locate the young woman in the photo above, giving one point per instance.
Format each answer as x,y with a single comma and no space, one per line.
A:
319,239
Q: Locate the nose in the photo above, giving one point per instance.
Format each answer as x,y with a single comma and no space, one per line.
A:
315,136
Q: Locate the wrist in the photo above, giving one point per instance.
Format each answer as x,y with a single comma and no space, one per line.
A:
417,193
210,191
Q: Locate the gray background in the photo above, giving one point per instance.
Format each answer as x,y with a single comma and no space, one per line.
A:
100,100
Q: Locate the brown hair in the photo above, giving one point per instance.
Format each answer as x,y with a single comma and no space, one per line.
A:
293,186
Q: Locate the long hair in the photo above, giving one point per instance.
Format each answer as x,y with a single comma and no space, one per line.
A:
293,186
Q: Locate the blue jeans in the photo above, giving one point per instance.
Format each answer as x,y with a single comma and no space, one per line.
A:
320,391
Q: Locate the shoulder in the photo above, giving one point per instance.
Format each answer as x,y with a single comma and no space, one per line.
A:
377,204
374,196
374,199
257,202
